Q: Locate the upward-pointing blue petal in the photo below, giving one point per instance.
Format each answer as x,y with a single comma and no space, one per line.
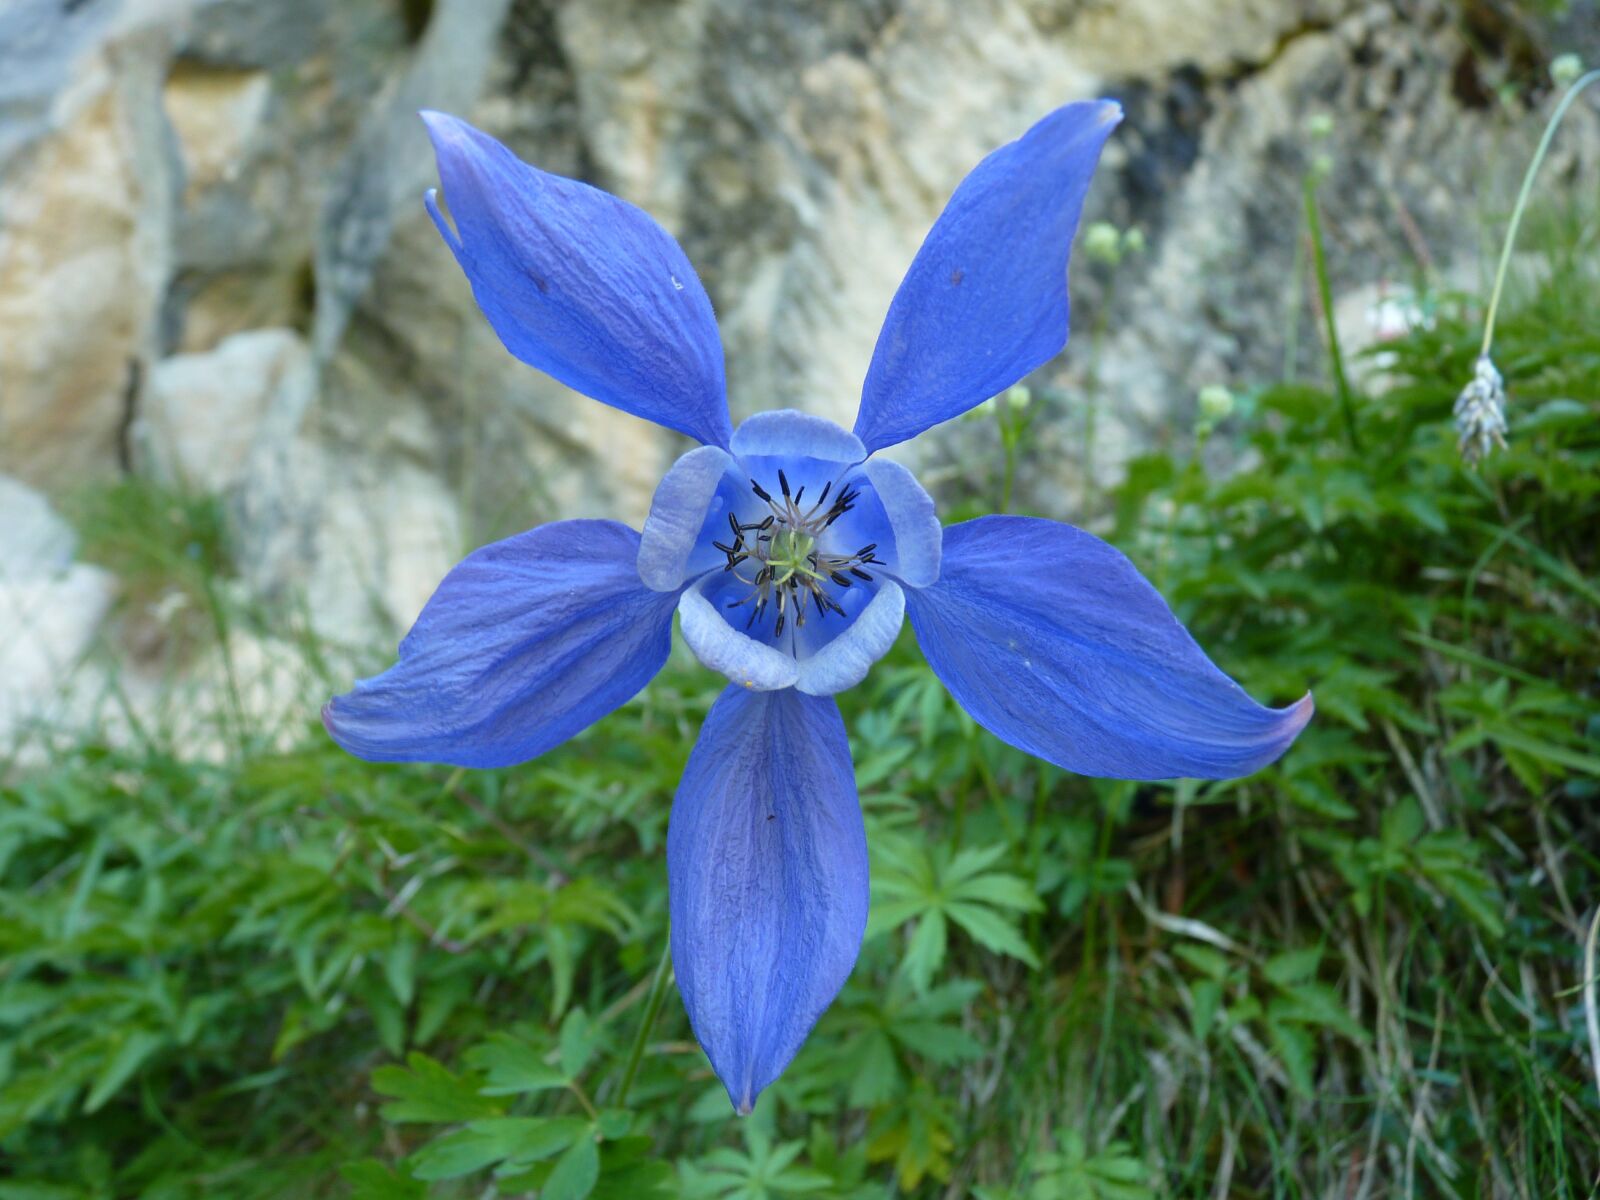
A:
985,300
581,285
767,875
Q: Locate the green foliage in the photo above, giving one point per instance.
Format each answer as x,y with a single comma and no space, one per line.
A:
294,974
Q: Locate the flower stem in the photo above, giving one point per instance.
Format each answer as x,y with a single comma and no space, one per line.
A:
1522,203
1319,260
652,1009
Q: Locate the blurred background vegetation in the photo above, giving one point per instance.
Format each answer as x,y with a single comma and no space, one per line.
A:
271,970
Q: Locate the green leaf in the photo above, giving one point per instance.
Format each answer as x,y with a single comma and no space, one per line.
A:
578,1042
514,1140
1207,996
370,1179
1297,1053
512,1067
993,931
1292,966
1315,1003
925,951
575,1174
423,1090
129,1053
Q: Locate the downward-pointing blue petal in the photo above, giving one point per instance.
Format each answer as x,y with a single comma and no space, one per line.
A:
525,643
581,284
767,871
1054,642
985,300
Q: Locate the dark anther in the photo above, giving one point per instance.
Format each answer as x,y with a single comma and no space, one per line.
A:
822,607
760,491
860,574
733,523
783,482
800,493
724,549
751,619
767,524
841,580
866,551
778,632
735,559
825,488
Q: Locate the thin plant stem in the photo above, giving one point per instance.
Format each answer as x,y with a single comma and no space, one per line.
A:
1522,204
1319,260
652,1009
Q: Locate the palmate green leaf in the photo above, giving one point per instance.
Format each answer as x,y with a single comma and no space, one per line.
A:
991,930
512,1140
629,1172
424,1090
575,1173
370,1179
1074,1174
933,890
1313,1003
511,1067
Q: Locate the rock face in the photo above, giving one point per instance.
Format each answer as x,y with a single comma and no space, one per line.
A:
215,267
50,607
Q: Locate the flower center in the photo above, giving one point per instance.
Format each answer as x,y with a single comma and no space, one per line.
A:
779,557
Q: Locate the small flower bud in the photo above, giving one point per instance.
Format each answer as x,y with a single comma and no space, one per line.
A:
1018,397
1565,68
1103,242
1133,241
1319,126
1216,402
1321,166
1480,413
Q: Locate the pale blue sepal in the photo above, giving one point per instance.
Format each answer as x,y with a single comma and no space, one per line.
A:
845,661
721,647
678,513
918,536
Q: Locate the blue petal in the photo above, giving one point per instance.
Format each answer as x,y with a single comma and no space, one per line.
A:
789,433
918,538
581,285
767,875
525,643
985,300
671,548
1054,642
720,647
844,661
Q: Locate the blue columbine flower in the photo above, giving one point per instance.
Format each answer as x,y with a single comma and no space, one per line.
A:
791,555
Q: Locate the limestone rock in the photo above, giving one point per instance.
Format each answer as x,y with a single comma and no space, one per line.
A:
50,608
205,415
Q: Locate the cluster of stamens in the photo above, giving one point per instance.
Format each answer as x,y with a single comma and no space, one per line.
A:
781,551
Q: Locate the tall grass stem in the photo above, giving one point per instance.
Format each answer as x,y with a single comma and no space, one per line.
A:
1319,260
1522,203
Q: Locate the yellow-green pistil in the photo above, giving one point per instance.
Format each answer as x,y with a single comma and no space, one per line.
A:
788,565
791,553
